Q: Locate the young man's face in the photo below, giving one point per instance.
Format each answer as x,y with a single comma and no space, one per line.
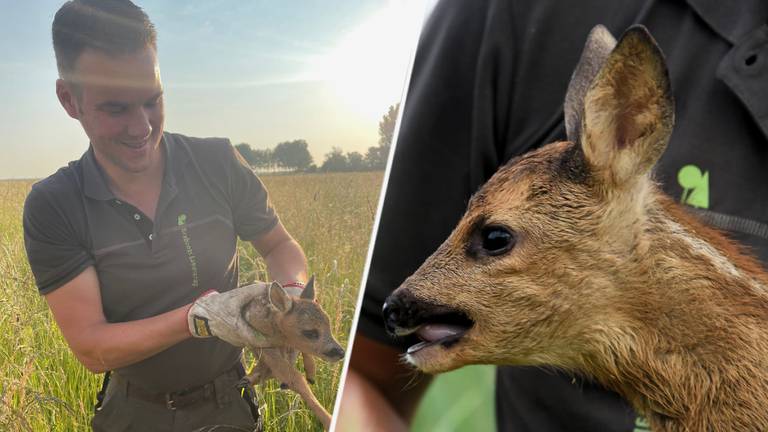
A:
119,102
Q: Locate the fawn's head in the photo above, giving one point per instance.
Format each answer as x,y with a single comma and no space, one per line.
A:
533,270
303,323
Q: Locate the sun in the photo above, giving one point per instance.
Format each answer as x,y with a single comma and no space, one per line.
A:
368,68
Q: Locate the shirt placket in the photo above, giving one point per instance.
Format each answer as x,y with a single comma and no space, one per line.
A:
143,224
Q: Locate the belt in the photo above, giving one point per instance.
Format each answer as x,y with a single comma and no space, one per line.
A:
181,398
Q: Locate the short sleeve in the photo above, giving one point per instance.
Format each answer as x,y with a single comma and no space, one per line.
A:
55,252
252,212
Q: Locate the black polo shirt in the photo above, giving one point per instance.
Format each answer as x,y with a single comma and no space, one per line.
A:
209,197
488,84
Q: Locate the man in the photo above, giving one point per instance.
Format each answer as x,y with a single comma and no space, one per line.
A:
124,242
488,84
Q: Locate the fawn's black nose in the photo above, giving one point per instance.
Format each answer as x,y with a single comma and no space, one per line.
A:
401,312
335,353
391,313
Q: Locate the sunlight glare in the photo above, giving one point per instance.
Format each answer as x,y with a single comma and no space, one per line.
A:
367,69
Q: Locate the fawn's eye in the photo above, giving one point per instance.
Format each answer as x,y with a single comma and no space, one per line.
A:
310,334
496,240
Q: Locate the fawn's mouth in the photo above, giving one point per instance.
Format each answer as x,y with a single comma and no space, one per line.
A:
439,327
445,330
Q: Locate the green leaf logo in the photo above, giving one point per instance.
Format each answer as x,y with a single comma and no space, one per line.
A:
641,425
695,186
182,219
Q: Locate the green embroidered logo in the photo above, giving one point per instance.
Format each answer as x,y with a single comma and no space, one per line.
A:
695,186
182,222
641,425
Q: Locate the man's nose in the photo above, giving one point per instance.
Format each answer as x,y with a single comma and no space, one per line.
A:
140,126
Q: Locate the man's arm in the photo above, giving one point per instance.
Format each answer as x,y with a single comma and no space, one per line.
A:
380,392
284,257
101,346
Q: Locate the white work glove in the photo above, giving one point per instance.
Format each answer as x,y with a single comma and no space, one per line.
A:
219,314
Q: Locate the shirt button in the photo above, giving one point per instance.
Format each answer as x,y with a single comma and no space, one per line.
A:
150,236
136,216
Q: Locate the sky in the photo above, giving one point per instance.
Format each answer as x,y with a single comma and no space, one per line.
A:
259,72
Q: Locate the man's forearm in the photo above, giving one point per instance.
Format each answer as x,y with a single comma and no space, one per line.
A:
108,346
286,262
100,345
364,407
380,392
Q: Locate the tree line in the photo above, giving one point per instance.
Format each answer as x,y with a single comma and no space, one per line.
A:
294,156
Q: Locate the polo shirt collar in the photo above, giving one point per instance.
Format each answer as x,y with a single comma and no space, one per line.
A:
96,185
94,180
732,20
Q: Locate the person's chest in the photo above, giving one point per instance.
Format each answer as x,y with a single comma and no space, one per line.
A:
147,266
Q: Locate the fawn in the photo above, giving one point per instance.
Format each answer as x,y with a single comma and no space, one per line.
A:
571,256
292,323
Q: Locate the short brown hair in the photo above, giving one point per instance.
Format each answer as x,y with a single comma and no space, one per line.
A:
113,27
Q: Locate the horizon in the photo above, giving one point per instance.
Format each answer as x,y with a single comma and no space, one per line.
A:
270,73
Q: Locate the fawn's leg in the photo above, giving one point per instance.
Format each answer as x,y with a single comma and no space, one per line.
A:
309,367
259,373
288,374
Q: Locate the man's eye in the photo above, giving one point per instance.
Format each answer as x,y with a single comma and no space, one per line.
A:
310,334
113,109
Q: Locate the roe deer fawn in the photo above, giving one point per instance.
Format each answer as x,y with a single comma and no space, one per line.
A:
572,257
292,323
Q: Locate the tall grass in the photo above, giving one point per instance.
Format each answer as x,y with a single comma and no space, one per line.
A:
44,388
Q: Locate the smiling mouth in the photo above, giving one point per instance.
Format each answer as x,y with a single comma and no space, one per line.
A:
136,145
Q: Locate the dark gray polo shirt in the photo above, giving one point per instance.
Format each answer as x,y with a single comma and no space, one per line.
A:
209,197
488,84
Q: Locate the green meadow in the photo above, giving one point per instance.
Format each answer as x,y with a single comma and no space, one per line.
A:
44,388
457,401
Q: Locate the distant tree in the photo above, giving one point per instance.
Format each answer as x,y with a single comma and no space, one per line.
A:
376,157
311,169
387,126
335,161
263,159
356,162
292,154
246,152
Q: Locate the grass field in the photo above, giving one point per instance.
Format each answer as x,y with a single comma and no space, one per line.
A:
461,400
44,388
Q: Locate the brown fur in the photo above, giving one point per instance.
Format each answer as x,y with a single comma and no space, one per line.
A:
285,319
608,277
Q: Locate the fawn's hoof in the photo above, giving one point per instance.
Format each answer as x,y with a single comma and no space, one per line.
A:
243,383
283,386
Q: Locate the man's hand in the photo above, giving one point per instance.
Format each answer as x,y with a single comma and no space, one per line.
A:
219,314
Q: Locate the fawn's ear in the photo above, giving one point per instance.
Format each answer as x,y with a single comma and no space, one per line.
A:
628,110
309,289
278,298
600,43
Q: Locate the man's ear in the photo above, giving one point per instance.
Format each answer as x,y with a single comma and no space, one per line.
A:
309,290
628,111
67,98
278,298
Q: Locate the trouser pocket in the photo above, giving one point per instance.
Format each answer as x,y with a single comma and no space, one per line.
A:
115,413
